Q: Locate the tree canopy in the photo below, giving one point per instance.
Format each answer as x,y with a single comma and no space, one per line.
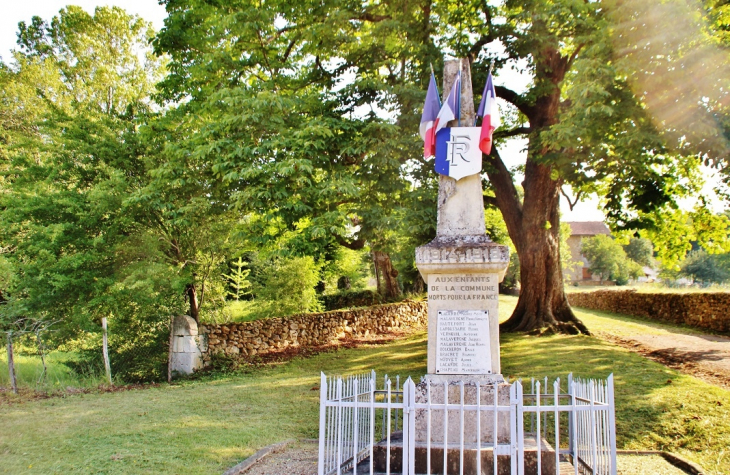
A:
137,168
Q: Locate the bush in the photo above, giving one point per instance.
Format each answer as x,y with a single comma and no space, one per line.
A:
351,298
287,286
609,259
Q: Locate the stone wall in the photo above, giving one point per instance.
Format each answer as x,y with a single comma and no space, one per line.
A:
312,329
702,310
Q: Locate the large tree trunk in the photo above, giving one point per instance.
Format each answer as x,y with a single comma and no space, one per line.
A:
542,306
386,275
534,224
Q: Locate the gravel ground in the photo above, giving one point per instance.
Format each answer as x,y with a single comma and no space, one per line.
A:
300,458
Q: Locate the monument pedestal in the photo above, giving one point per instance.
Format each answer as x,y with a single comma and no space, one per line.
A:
463,275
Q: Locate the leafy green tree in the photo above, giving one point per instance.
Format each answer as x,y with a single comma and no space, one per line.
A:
641,251
674,232
77,89
701,266
286,286
276,99
608,259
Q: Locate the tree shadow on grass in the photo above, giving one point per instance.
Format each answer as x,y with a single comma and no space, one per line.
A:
656,407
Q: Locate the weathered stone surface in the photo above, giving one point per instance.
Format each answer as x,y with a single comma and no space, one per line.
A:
186,354
702,310
486,424
313,329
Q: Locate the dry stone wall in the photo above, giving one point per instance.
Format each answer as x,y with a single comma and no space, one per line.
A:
702,310
312,329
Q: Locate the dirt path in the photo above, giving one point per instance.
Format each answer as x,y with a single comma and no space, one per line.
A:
706,357
686,349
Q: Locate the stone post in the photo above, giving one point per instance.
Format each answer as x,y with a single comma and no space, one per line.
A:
185,357
462,268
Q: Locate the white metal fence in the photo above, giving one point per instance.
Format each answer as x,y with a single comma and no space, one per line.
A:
466,428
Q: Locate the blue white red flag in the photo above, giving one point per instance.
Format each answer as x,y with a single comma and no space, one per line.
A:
428,118
452,107
489,111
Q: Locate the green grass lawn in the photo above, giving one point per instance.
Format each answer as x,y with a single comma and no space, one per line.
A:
29,372
650,288
210,424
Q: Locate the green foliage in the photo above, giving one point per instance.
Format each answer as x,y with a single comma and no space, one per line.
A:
349,264
674,232
351,298
640,250
609,259
286,286
566,256
238,279
702,267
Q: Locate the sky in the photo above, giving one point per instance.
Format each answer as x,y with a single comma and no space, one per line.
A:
14,11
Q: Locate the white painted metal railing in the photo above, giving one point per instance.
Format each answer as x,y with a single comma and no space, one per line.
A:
531,433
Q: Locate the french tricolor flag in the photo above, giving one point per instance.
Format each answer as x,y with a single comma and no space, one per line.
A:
429,118
489,111
451,108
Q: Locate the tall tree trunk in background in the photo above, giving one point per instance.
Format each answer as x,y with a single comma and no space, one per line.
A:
192,296
542,304
386,275
534,223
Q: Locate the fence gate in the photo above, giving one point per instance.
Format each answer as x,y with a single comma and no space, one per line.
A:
466,428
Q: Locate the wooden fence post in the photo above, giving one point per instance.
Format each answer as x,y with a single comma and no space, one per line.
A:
169,350
107,366
11,363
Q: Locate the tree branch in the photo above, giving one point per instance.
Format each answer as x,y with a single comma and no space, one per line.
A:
355,245
485,39
515,99
573,203
511,133
574,55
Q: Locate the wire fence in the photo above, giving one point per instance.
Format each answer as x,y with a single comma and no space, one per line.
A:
135,355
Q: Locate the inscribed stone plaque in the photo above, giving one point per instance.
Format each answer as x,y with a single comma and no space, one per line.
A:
462,342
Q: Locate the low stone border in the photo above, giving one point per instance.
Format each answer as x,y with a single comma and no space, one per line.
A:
249,462
676,460
260,337
706,310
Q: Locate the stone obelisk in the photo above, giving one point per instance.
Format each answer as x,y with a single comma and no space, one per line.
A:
462,268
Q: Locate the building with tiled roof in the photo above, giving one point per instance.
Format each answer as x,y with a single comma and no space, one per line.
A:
580,230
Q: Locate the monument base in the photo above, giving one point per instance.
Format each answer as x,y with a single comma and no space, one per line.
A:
454,458
483,379
454,428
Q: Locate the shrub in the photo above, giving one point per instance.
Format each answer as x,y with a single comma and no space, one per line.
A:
287,286
351,298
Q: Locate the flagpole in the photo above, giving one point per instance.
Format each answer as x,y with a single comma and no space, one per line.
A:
458,97
433,75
